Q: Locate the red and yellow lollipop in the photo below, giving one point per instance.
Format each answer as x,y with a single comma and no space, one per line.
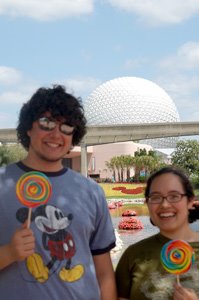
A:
177,257
33,189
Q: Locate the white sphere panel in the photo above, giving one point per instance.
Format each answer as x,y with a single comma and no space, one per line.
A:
131,100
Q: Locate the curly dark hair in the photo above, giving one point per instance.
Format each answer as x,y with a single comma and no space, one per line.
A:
186,183
60,104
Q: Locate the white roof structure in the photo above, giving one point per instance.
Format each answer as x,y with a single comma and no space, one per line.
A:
132,100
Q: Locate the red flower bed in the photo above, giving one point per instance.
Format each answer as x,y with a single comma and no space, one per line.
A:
129,213
124,190
116,204
130,224
111,206
119,188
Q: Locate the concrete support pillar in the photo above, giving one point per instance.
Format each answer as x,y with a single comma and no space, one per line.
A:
84,166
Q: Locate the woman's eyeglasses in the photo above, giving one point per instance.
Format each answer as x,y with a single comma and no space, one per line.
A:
171,198
49,124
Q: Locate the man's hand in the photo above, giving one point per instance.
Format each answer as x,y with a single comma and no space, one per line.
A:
22,244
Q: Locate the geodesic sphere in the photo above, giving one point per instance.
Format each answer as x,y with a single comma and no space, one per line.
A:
131,100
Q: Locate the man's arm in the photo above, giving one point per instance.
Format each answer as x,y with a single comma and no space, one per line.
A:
20,247
105,275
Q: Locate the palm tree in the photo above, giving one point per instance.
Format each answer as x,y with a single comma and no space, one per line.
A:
128,163
117,166
111,166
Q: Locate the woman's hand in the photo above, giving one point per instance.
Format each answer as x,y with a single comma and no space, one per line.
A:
181,293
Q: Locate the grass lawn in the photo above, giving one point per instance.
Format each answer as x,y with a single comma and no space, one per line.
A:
123,190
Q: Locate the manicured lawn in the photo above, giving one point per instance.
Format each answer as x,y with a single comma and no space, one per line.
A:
123,190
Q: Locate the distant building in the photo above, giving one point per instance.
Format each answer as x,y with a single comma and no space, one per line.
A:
126,100
98,155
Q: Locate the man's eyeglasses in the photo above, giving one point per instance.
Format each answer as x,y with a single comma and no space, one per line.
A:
171,198
49,124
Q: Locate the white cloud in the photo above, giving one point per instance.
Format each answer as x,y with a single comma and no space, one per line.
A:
185,83
180,78
16,95
45,10
12,97
183,89
9,76
187,57
156,12
80,87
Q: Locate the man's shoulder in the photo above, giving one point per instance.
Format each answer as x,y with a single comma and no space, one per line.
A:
79,176
8,168
80,179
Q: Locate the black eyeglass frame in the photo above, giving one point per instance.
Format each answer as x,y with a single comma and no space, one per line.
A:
170,200
49,124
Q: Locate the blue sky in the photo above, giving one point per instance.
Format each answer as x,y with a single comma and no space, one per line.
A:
84,43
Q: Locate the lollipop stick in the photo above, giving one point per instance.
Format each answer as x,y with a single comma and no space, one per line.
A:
178,279
29,217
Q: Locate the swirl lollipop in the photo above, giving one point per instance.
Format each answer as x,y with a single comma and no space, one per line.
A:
177,257
33,189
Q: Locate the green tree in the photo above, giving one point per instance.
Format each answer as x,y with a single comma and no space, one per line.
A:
186,156
4,157
114,165
11,153
117,166
138,164
111,166
147,162
128,164
142,161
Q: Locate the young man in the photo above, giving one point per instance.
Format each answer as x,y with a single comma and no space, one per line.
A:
64,254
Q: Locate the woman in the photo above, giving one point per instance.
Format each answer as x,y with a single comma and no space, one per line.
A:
139,273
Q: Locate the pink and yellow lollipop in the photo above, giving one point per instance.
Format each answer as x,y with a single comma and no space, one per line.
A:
177,256
33,189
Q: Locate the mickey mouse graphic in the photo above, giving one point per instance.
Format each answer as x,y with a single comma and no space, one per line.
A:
56,239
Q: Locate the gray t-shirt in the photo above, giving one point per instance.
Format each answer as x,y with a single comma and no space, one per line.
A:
70,228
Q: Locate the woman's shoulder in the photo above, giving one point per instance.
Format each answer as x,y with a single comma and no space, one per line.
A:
146,244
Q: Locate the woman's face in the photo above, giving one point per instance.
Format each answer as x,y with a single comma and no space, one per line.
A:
171,218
